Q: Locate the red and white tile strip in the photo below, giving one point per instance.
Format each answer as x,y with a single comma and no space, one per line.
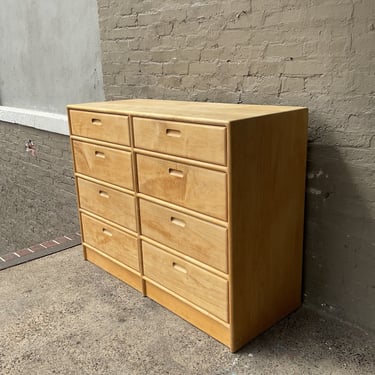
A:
39,250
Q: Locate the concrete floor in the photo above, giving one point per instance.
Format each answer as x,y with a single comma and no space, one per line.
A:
62,315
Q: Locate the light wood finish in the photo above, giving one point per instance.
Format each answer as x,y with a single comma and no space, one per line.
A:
197,238
105,221
191,187
116,206
202,288
103,183
101,126
189,259
267,222
195,112
116,243
184,210
200,142
217,208
103,163
178,159
114,268
215,328
100,143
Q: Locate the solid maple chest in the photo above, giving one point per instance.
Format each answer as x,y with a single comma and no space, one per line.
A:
197,205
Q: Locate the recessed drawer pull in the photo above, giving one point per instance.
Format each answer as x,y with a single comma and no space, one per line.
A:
107,232
96,121
179,268
178,222
99,154
175,172
173,133
103,194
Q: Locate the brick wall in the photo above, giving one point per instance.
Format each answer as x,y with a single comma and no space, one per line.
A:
37,197
319,54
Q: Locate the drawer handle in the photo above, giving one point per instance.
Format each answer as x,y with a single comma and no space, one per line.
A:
99,154
96,121
175,172
178,222
179,268
103,194
173,133
107,232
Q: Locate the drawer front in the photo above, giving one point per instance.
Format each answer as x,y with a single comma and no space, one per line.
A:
109,203
196,188
101,126
208,291
111,241
196,238
199,142
104,163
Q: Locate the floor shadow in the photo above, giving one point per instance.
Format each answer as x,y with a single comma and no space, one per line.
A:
308,342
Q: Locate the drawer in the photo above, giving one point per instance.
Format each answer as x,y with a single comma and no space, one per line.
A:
199,142
109,203
196,238
193,187
101,126
104,163
208,291
111,241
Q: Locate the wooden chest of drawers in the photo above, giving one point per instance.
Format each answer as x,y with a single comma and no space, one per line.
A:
197,205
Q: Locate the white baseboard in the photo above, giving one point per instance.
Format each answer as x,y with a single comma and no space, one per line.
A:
51,122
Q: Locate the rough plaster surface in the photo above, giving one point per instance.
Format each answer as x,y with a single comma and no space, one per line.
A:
50,54
37,199
319,54
66,316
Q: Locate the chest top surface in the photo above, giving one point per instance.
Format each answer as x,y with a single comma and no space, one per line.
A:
210,113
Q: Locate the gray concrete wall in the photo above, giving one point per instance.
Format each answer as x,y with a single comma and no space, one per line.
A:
50,54
319,54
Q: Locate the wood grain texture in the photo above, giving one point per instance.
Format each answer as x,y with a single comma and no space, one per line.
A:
197,238
75,181
205,113
184,210
199,142
111,241
103,163
179,159
137,216
199,286
114,268
112,204
213,327
267,183
217,208
191,187
100,126
189,259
